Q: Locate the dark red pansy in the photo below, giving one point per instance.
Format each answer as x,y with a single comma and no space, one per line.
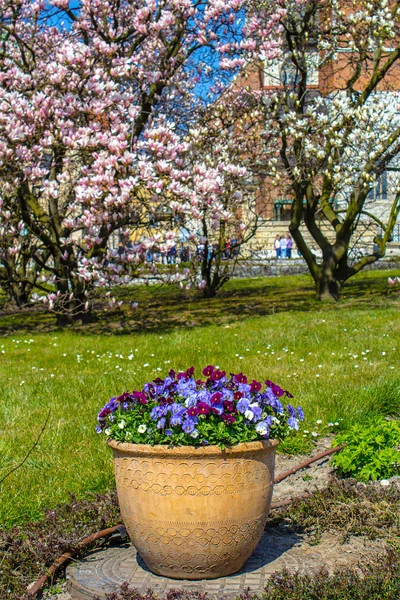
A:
124,397
189,372
169,400
140,397
172,374
180,376
288,394
217,375
202,408
238,395
207,371
104,413
158,381
192,412
276,390
255,386
216,397
228,405
199,382
228,418
240,378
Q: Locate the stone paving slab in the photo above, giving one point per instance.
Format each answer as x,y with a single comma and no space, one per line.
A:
103,571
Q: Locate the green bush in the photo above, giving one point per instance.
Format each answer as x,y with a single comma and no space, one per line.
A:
372,451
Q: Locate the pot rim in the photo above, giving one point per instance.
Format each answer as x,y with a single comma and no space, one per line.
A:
199,451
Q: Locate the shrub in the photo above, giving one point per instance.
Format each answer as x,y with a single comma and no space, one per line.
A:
372,451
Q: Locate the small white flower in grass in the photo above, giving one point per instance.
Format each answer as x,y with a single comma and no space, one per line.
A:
130,357
314,434
52,375
240,357
142,428
330,424
122,424
356,366
317,375
383,353
22,383
336,423
318,422
146,365
319,366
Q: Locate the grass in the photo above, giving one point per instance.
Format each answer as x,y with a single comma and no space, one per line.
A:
340,362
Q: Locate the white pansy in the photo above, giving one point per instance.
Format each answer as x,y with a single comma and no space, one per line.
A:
142,428
122,424
262,428
194,434
107,431
249,414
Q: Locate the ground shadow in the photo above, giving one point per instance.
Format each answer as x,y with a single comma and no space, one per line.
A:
162,309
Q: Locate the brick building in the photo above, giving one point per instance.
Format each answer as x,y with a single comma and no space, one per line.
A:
274,205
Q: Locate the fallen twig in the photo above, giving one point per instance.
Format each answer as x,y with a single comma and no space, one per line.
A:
307,463
37,586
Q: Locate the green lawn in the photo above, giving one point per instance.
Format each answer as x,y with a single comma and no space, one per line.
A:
340,362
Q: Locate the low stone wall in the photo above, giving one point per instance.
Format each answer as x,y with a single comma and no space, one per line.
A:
295,266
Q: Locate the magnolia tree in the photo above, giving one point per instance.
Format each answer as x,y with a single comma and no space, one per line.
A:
331,113
96,105
220,182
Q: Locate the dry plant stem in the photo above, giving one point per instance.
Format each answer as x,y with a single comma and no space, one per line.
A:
37,586
31,449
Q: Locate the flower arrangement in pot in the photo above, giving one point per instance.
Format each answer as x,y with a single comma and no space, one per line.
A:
194,466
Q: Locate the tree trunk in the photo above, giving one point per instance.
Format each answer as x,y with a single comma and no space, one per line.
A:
209,292
327,286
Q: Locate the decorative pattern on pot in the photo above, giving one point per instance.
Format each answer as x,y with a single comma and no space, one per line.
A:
198,517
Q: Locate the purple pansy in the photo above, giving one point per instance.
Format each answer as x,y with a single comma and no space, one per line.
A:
243,405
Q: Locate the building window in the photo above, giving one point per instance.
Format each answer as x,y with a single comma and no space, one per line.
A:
396,233
379,191
282,210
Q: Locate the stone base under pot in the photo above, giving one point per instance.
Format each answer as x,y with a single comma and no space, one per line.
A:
103,571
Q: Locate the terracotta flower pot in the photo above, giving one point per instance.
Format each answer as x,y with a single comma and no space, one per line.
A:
194,513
